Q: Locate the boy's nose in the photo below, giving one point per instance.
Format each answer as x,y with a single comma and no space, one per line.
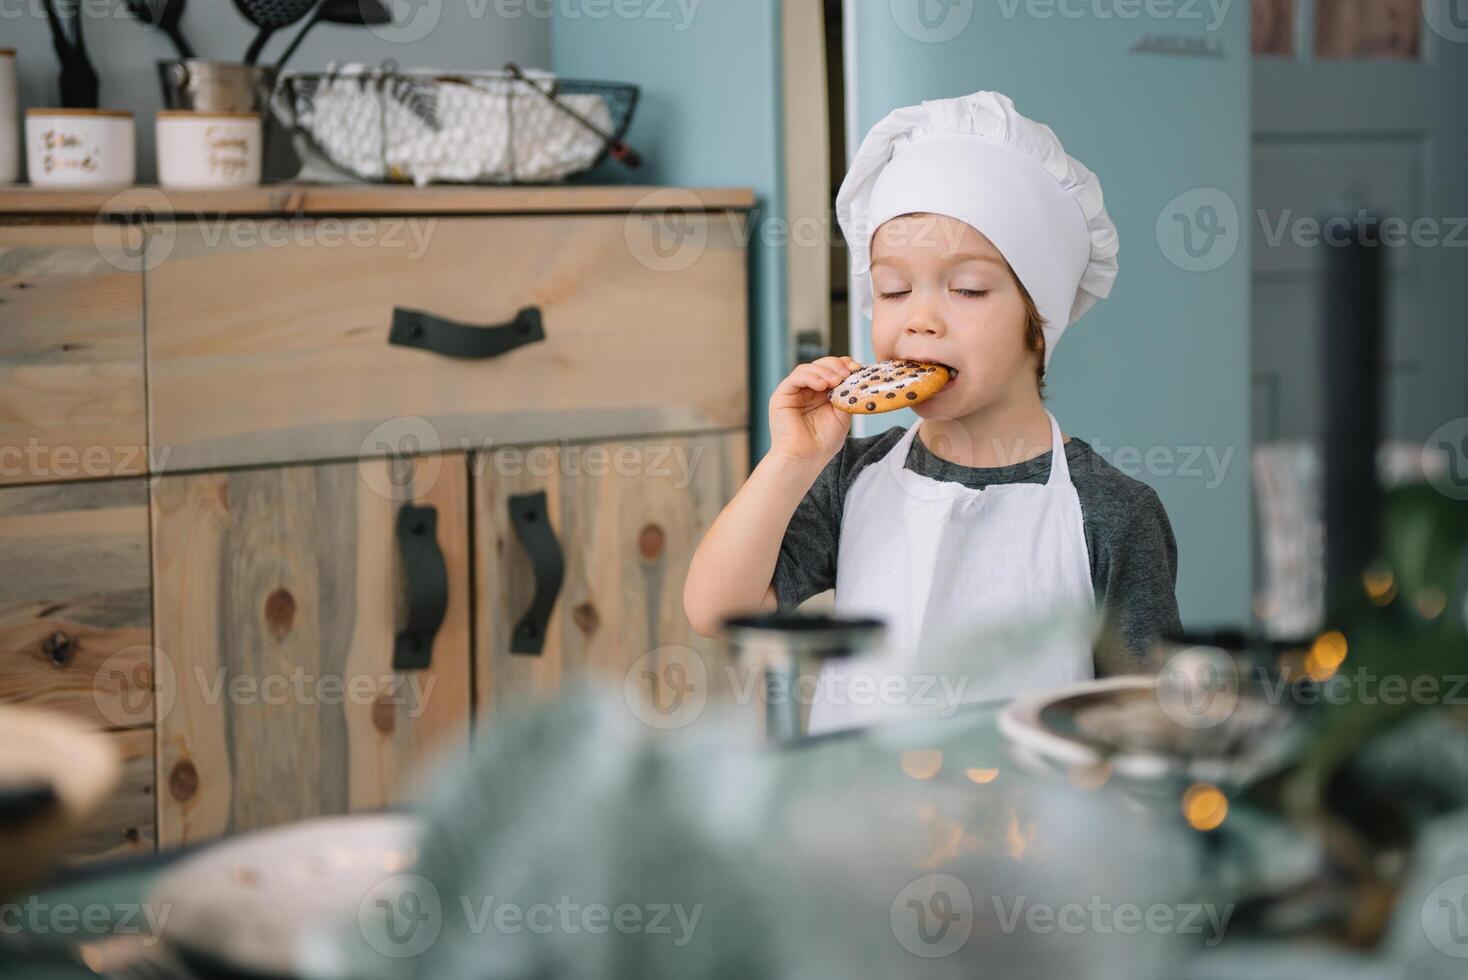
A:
927,326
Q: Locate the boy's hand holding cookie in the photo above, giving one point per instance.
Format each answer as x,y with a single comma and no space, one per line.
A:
803,423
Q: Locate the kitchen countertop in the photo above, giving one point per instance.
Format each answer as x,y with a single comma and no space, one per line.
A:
311,199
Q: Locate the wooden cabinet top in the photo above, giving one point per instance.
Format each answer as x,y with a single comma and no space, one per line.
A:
303,199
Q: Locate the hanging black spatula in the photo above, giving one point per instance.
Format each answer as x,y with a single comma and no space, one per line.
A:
79,81
348,13
270,16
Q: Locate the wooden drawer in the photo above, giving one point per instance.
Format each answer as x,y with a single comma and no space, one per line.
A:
71,353
280,593
75,622
271,344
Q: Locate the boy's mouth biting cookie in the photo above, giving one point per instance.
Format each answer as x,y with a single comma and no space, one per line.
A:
889,385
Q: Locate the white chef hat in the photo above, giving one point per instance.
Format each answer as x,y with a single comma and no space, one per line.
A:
978,160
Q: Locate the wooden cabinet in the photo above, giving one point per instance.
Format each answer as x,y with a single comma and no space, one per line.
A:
75,629
279,595
626,515
403,455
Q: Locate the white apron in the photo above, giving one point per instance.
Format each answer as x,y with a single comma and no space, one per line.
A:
933,559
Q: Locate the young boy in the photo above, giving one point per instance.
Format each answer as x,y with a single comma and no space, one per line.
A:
975,241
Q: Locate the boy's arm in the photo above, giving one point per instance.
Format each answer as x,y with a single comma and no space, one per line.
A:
733,570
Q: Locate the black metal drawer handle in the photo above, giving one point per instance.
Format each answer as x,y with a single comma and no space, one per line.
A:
428,587
531,518
415,328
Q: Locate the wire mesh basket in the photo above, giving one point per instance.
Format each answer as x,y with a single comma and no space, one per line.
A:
486,127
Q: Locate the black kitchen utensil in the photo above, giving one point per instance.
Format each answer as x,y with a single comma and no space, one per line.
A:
163,15
79,82
270,16
348,13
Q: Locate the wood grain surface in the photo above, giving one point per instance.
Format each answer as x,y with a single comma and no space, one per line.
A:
278,599
71,353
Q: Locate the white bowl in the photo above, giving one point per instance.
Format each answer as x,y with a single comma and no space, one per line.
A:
79,147
201,150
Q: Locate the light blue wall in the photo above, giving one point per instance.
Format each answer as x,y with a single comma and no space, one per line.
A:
709,116
1163,365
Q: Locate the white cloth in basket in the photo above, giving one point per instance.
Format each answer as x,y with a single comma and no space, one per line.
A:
492,128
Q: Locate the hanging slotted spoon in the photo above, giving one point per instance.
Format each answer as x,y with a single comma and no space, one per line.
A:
270,16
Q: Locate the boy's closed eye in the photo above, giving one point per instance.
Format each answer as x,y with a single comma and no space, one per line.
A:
965,293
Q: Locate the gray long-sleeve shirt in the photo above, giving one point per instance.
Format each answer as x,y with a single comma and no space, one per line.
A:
1129,540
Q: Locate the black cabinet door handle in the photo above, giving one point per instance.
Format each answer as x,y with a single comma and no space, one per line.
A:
415,328
531,518
428,587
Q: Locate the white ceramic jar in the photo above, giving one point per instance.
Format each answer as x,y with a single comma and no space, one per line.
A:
200,150
79,147
9,120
